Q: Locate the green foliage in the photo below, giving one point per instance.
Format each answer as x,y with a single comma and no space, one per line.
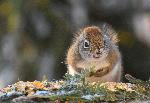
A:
77,88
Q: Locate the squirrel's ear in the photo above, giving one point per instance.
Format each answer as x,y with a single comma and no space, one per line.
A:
113,35
77,35
114,38
111,32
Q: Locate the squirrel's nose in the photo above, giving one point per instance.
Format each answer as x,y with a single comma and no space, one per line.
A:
96,54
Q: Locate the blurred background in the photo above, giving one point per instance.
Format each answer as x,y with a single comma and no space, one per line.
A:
35,35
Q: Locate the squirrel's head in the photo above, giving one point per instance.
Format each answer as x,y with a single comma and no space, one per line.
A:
93,43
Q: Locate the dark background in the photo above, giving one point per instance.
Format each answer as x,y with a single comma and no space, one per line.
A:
35,35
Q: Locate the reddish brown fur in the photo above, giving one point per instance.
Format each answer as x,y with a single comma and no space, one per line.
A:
95,37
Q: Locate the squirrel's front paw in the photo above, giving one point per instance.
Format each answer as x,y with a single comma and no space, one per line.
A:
101,72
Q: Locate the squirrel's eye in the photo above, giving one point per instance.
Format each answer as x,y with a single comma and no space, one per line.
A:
86,44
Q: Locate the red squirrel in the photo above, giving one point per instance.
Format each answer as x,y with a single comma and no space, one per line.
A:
96,47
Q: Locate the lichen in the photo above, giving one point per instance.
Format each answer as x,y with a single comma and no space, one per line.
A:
75,88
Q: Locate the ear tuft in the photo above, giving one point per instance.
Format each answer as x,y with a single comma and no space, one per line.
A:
111,32
114,38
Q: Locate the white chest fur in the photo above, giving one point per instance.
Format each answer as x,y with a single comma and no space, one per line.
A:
110,77
93,64
115,74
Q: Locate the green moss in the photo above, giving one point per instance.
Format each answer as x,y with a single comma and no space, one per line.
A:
76,89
